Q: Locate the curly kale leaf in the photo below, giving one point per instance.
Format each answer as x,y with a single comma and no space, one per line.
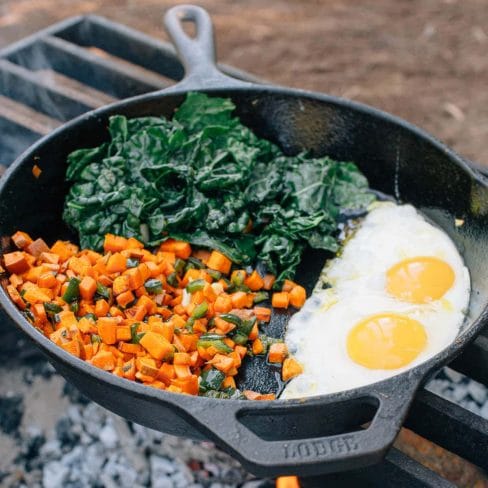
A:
206,178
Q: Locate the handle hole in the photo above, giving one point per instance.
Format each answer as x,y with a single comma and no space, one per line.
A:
314,421
189,27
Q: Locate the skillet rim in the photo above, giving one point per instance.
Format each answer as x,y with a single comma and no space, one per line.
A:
417,374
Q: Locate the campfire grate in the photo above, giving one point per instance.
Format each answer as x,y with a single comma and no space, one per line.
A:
86,62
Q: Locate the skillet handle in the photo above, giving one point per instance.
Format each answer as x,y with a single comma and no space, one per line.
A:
197,54
224,423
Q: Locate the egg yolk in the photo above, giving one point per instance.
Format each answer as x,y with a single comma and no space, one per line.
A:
386,341
419,279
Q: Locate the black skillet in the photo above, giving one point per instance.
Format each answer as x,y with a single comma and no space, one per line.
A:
304,437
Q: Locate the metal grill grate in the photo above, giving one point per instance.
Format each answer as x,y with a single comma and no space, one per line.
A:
86,62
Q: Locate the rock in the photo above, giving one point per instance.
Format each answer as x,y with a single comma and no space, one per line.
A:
160,465
478,392
459,392
484,411
454,376
108,436
54,475
74,457
65,433
51,450
11,412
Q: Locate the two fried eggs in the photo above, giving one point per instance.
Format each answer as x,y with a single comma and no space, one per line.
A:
398,295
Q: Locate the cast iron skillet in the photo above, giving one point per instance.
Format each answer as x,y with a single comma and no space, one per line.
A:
313,435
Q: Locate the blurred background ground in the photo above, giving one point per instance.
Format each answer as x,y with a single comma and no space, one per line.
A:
424,60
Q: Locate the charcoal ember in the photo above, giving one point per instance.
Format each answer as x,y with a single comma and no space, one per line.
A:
93,462
454,376
108,435
118,469
477,392
65,433
51,450
54,475
164,475
31,443
11,412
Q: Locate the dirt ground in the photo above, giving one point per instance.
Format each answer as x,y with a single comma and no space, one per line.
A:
424,60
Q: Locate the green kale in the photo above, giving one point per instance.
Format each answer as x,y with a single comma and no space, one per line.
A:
206,178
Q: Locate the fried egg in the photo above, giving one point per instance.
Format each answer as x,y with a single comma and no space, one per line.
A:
397,296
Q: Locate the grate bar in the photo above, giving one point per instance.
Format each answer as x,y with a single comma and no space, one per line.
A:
29,88
104,74
125,43
450,426
133,46
473,362
397,470
23,115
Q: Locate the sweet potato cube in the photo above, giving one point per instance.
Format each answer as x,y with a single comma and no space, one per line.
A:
37,247
291,368
21,239
156,345
120,285
104,360
16,262
277,352
298,296
219,262
107,329
88,288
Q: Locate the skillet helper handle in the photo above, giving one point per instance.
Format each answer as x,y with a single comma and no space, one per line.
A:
196,53
310,456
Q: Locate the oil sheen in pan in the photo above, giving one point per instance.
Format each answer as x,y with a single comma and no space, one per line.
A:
335,335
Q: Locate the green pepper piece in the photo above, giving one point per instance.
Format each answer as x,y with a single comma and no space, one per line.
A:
153,286
28,315
132,262
195,285
211,380
172,280
230,317
75,306
238,277
103,291
240,338
220,345
197,264
52,308
215,275
200,310
95,338
260,296
91,317
211,337
73,290
179,265
135,337
246,326
189,323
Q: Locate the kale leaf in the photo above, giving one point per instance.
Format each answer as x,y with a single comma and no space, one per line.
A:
206,178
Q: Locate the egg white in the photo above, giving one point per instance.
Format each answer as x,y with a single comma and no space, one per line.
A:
316,335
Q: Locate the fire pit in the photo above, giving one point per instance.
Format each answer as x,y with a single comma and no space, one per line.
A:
62,72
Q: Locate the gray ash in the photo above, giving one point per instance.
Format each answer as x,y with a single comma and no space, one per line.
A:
82,445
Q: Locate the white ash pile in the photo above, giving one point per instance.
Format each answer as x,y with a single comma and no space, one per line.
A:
88,447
